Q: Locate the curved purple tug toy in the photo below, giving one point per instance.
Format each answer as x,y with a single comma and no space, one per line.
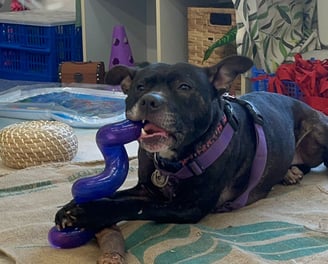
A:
110,141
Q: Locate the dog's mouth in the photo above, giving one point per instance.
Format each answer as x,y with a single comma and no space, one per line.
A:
154,138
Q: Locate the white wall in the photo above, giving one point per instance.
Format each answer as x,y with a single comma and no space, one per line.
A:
65,5
323,21
5,6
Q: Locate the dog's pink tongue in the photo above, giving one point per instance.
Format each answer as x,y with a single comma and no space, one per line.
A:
151,130
154,139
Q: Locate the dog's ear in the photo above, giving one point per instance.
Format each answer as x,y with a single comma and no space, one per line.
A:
120,75
223,74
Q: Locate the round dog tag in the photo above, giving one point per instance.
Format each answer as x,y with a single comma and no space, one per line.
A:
158,179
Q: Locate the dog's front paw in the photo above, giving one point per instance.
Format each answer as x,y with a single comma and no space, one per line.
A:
71,215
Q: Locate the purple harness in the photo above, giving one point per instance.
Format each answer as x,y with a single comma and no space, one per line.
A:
200,163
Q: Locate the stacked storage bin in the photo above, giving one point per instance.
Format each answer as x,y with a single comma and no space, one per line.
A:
34,43
205,26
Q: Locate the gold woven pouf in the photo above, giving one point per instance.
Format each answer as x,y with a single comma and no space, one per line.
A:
33,143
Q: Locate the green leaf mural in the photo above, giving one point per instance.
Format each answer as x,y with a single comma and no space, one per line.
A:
283,11
273,31
282,49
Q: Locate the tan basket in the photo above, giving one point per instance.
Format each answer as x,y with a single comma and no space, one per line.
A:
202,33
33,143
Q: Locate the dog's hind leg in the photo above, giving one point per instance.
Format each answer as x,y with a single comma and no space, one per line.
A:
295,174
311,148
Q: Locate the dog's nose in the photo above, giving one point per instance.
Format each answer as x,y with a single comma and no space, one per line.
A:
152,101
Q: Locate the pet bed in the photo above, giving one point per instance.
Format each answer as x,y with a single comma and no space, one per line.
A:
77,106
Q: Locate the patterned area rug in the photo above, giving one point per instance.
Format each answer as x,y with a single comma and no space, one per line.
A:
289,226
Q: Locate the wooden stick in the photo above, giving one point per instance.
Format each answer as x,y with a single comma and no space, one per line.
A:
112,246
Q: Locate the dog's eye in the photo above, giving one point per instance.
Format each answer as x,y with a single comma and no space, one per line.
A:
140,87
184,87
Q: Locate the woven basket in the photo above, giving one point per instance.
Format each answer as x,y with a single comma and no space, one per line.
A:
33,143
205,26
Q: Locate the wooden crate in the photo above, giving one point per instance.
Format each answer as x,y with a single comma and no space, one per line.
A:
205,26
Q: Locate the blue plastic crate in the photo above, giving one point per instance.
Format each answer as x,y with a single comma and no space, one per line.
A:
292,90
260,80
262,83
33,52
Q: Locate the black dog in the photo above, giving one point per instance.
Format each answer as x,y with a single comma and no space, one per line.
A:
201,151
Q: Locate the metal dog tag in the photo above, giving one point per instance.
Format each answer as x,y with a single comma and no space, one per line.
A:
158,179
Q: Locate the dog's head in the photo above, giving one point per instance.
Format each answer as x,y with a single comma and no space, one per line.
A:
177,103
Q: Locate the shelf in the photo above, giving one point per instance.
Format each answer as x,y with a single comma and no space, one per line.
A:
156,29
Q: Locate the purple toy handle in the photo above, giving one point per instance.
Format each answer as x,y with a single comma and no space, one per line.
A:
110,140
69,237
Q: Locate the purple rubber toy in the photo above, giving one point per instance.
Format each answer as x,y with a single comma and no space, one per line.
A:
110,140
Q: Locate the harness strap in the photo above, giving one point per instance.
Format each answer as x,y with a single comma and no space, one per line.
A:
199,164
257,170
